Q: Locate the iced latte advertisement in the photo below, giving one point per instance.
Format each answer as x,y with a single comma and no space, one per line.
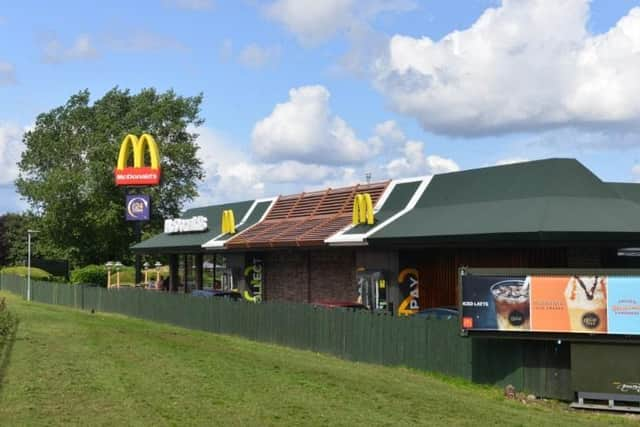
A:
576,304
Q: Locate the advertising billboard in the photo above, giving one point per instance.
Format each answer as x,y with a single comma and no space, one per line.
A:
554,303
137,208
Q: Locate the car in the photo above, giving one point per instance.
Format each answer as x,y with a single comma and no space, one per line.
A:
340,304
447,312
208,293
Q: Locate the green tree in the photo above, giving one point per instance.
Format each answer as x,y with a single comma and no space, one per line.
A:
66,170
13,238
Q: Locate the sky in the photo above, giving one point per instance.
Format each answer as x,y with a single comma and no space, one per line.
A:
306,94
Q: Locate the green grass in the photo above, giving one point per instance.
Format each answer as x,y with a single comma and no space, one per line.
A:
73,367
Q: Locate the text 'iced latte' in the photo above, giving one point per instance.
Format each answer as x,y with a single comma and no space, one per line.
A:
587,303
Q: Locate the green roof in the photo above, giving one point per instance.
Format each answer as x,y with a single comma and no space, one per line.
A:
397,200
627,190
192,242
256,215
553,199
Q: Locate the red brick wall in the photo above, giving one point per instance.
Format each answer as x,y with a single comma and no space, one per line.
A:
333,275
285,276
310,275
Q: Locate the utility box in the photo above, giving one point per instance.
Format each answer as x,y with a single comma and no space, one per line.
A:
606,372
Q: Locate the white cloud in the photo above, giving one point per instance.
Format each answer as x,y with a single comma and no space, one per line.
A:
225,52
54,52
230,173
302,146
256,56
11,147
7,74
635,172
315,21
234,174
415,162
304,129
389,131
190,4
142,41
511,160
293,171
521,66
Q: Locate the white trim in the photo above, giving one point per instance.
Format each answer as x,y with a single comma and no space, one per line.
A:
341,239
215,243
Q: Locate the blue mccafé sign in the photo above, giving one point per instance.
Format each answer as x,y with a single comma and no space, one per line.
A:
137,208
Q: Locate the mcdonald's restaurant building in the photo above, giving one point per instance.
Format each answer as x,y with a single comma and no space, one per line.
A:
398,245
403,246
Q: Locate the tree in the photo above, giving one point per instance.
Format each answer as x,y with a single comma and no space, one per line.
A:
13,239
66,169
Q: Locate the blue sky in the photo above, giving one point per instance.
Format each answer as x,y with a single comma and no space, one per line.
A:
301,94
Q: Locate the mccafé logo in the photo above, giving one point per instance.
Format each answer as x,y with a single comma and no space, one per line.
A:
228,222
139,174
362,209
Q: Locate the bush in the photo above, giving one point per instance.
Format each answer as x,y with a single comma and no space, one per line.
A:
90,275
36,273
7,321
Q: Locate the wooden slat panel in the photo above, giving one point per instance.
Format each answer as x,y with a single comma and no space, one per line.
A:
438,268
306,218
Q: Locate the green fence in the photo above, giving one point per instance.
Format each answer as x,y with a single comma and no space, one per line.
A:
416,342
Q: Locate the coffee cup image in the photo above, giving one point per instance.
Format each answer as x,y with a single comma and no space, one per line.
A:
586,298
511,299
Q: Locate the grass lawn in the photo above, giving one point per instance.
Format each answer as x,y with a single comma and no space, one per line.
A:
73,367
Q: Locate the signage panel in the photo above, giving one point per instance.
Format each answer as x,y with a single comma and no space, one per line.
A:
189,225
139,174
585,304
254,277
137,208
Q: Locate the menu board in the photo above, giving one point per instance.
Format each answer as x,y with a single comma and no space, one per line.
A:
559,304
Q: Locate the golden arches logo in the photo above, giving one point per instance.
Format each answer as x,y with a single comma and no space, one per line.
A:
139,174
228,222
362,209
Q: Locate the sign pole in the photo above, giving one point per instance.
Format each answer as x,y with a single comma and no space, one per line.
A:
137,232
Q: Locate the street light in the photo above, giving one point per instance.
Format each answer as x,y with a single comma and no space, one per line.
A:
109,266
29,233
157,265
146,266
118,265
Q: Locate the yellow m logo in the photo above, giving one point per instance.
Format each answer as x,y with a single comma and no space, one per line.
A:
363,209
138,146
228,222
138,174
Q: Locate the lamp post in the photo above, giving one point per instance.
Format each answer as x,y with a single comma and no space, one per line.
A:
118,265
109,266
146,266
157,265
29,233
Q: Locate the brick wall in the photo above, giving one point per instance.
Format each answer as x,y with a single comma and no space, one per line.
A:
285,276
333,275
310,275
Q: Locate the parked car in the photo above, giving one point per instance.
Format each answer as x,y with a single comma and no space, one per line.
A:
447,312
340,304
208,293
